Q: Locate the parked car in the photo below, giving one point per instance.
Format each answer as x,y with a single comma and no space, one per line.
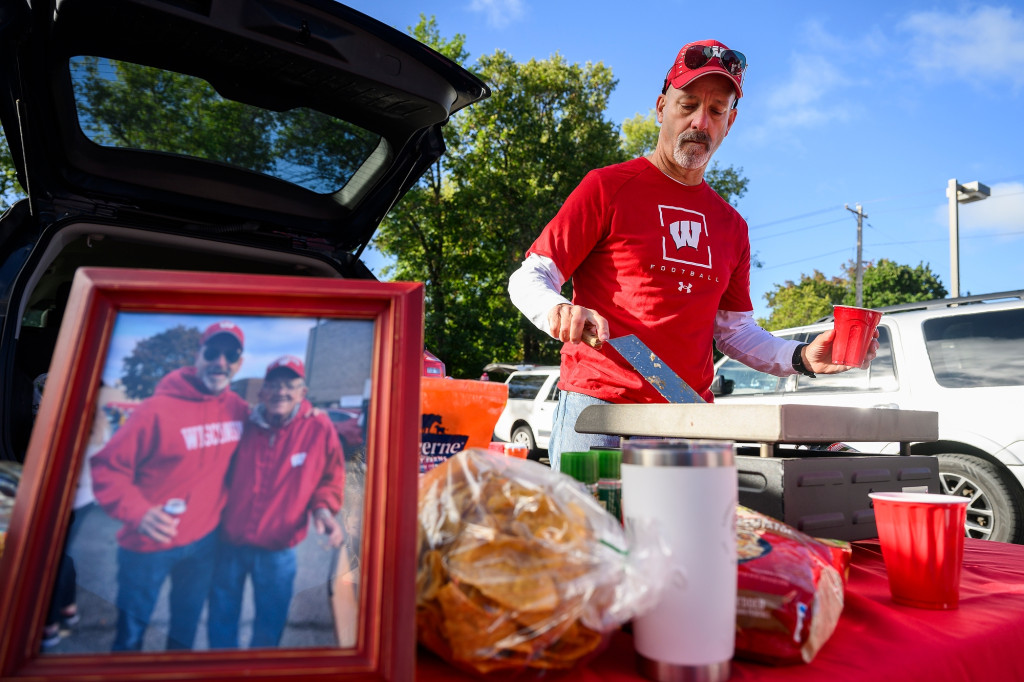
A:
962,358
348,424
528,414
331,117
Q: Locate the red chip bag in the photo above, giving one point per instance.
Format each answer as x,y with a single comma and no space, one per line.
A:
790,590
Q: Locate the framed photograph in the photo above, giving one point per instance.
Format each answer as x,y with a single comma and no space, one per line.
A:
221,482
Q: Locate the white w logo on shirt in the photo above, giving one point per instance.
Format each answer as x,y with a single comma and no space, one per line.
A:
685,233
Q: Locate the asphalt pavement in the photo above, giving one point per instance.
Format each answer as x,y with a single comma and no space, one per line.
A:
94,552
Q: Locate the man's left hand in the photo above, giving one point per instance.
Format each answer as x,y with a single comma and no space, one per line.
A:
326,524
818,355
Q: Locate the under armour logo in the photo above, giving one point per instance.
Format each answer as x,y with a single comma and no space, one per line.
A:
685,287
685,233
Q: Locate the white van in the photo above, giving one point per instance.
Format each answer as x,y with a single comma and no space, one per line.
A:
962,358
530,410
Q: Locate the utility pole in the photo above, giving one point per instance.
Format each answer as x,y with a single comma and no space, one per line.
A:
861,215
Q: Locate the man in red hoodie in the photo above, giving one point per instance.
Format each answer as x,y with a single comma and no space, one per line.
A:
289,467
162,475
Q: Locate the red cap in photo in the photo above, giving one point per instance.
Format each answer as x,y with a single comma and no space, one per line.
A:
288,362
224,327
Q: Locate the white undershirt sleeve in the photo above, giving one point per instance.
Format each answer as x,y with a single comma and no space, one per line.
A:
535,288
741,338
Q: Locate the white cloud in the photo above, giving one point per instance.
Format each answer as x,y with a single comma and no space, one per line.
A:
810,80
982,45
806,99
499,13
1002,212
812,93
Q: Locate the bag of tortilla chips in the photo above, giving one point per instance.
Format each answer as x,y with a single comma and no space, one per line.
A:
519,567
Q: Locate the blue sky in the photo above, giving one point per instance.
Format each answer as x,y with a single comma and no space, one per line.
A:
266,338
876,103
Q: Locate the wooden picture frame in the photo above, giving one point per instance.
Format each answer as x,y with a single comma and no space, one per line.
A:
379,639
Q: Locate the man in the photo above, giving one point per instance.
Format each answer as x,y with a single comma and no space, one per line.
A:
289,466
162,475
653,251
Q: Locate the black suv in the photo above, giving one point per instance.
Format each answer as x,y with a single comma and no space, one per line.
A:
269,136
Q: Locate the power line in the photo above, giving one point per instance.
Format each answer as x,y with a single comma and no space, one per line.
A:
876,201
918,241
802,260
802,229
796,217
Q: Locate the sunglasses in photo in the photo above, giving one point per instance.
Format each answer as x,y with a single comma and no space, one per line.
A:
211,353
732,61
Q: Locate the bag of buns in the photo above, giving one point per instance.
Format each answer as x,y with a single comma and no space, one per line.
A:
791,589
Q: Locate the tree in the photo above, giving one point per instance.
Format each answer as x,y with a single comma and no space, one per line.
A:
640,137
511,161
884,283
10,188
154,357
803,302
889,283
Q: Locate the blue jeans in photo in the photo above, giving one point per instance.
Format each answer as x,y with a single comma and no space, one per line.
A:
273,577
140,575
564,437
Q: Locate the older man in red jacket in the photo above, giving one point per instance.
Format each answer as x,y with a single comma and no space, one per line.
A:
289,467
162,474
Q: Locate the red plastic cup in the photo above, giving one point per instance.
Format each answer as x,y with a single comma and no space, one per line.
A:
854,327
517,450
922,539
496,446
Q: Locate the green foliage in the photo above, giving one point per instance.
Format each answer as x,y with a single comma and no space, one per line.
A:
511,161
889,283
640,135
803,302
10,188
884,283
156,356
728,182
426,32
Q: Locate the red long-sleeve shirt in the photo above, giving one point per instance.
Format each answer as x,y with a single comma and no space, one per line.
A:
279,476
176,444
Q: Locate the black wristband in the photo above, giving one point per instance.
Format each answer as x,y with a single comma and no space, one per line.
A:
798,361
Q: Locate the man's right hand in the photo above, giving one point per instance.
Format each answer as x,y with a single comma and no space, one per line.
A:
159,525
574,323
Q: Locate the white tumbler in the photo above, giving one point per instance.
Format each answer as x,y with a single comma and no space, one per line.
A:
688,489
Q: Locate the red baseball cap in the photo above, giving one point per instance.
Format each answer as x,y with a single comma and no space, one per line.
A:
288,362
224,327
705,57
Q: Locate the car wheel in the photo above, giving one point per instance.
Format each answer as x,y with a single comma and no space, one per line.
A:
522,435
995,509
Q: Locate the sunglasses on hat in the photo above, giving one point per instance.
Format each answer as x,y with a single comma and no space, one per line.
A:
211,353
732,61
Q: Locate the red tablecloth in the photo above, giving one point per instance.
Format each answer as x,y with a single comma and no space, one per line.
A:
876,639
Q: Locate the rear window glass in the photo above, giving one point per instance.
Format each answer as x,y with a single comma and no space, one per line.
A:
526,386
983,349
130,106
749,381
